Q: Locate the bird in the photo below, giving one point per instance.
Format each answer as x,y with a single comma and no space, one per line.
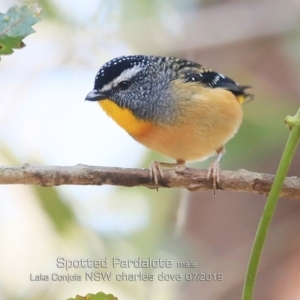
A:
173,106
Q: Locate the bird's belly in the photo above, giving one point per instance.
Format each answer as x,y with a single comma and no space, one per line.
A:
180,143
197,137
203,126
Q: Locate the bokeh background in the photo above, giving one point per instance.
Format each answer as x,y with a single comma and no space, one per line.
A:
44,119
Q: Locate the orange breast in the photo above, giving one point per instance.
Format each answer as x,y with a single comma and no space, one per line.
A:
125,118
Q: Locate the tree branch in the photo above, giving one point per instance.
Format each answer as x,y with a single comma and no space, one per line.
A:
191,179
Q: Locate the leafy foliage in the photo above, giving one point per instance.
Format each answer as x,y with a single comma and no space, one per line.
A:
98,296
15,25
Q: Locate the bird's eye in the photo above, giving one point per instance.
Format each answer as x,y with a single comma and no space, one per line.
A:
124,85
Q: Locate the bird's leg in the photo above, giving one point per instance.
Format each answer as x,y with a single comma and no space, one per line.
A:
214,169
156,169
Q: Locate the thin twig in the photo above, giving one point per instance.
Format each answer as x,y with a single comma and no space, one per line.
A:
270,206
191,179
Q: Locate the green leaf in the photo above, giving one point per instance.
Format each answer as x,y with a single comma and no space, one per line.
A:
15,25
98,296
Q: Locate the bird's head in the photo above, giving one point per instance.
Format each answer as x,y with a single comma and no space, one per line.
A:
139,83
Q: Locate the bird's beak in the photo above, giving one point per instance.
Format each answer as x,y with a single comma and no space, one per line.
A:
95,95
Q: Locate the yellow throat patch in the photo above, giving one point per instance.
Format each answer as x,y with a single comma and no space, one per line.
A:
125,118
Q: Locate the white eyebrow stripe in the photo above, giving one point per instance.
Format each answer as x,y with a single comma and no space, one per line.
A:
125,75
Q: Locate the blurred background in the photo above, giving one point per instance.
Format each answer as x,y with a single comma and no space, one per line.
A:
44,119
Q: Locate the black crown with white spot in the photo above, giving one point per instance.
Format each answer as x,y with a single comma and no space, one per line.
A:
116,67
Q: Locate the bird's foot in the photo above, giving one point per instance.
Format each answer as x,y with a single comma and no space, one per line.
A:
214,174
156,172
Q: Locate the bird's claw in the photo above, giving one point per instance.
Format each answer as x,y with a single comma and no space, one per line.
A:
214,173
155,172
